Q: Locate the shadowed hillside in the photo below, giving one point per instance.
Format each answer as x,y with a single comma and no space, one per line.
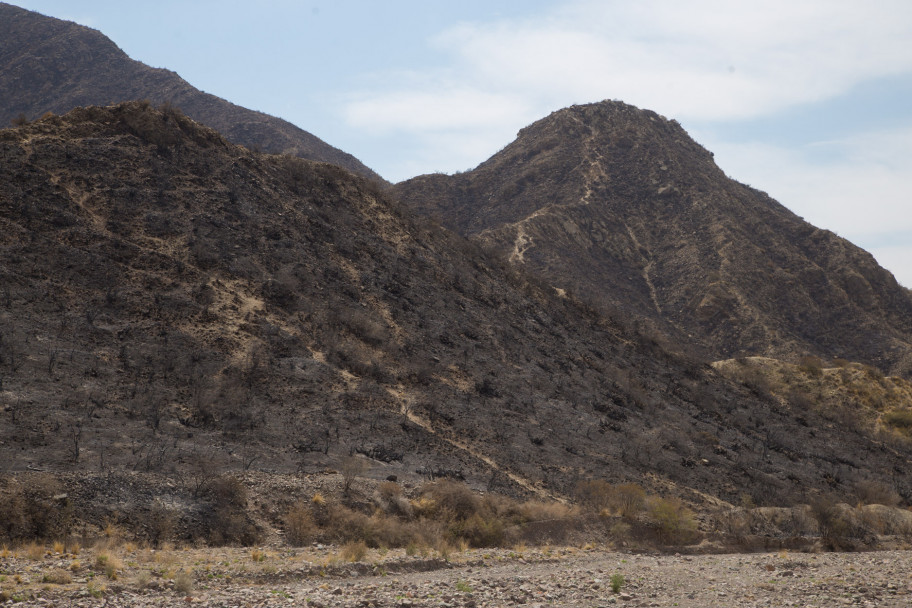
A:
172,303
50,65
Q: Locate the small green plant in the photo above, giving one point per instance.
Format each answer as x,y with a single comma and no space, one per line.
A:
463,587
94,589
617,582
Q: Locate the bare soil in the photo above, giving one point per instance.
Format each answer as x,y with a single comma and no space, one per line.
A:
567,576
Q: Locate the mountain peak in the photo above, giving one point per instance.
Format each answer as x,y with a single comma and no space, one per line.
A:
622,206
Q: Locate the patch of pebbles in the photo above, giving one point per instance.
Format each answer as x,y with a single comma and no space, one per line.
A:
570,578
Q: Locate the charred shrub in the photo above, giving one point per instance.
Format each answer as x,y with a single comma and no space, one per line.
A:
161,524
225,519
36,509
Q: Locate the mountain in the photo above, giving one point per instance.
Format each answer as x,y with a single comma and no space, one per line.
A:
621,206
50,65
170,302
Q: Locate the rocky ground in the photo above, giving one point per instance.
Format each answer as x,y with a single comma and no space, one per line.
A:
322,576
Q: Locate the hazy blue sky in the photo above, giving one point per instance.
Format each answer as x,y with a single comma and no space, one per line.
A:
810,101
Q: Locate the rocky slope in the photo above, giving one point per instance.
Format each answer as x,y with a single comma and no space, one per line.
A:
173,303
622,206
50,65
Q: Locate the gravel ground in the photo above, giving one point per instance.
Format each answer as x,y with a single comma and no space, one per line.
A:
472,579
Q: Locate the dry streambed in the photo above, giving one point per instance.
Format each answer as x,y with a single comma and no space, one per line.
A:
320,576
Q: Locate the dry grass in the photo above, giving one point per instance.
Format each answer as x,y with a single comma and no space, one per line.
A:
852,394
183,583
353,551
57,576
109,564
34,551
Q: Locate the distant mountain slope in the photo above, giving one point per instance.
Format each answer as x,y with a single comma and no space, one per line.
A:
620,204
170,302
50,65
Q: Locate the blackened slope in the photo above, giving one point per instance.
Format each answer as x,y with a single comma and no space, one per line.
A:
50,65
622,205
169,300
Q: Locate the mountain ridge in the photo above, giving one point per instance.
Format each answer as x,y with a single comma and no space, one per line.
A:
622,206
52,65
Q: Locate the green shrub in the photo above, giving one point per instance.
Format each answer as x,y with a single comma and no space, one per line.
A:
447,499
629,499
479,531
674,522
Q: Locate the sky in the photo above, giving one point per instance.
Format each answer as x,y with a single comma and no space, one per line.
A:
807,100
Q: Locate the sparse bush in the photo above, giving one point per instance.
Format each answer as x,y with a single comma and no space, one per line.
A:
899,419
143,578
57,576
299,525
675,523
595,494
226,520
619,530
617,582
390,499
108,564
35,551
629,499
875,493
161,523
38,510
353,551
479,531
447,499
812,366
183,583
831,522
352,467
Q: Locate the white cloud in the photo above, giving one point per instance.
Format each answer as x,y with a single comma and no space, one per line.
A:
713,61
443,108
693,60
